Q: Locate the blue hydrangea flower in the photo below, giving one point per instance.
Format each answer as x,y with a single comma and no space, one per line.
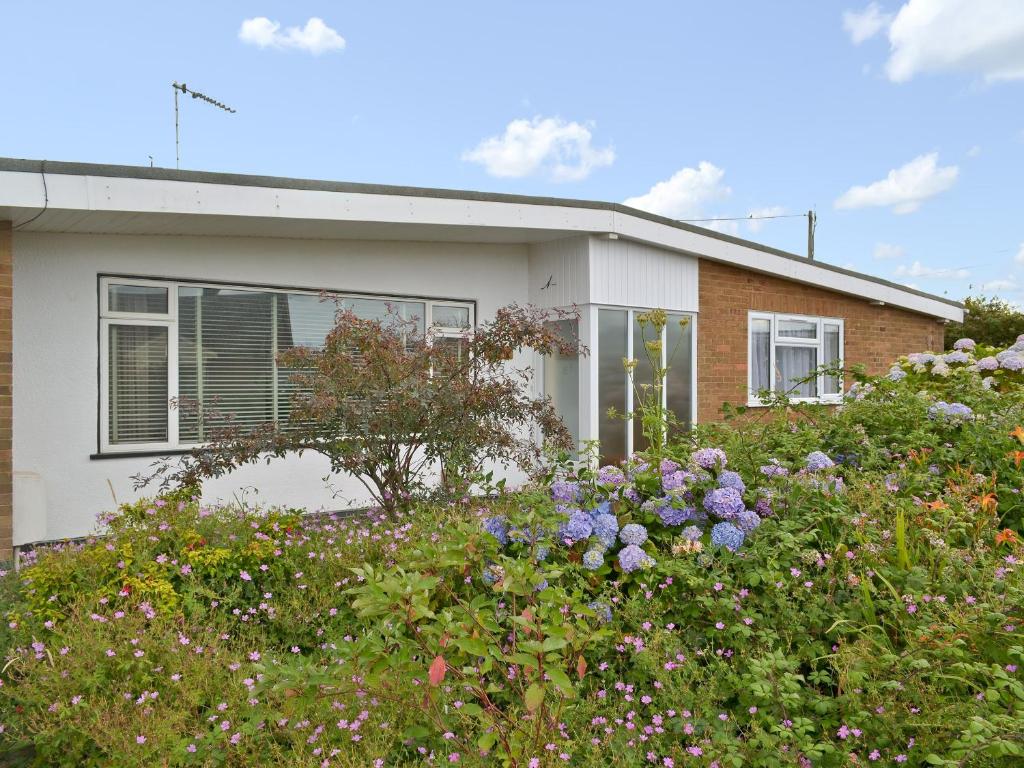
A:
956,356
542,553
691,532
593,559
674,481
1014,363
603,611
604,508
763,506
920,358
632,557
606,529
633,534
748,520
727,535
725,503
896,374
710,458
668,466
611,476
966,345
497,526
950,413
672,515
542,586
631,495
987,364
730,479
565,491
579,526
817,461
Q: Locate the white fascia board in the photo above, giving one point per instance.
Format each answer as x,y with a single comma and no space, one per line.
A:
134,195
799,270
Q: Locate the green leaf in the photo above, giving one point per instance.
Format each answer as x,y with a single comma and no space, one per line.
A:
534,697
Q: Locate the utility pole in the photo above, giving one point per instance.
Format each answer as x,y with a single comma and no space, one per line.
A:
195,95
812,222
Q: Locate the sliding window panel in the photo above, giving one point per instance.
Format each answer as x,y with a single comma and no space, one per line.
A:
832,384
611,384
137,384
679,379
643,376
794,366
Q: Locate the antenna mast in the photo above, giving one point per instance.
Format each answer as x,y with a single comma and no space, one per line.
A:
195,95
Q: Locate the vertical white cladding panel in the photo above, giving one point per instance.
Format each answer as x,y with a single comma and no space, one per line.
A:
559,272
630,274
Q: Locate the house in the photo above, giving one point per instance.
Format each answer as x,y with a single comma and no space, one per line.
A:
132,286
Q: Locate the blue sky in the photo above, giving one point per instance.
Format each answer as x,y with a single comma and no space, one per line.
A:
901,123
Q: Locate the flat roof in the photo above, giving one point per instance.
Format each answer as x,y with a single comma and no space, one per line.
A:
27,166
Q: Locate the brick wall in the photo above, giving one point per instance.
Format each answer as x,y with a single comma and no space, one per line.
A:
874,336
6,393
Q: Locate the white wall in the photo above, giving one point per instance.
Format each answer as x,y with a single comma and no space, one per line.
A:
630,274
56,353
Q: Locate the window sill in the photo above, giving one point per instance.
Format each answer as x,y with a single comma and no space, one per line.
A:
799,401
141,454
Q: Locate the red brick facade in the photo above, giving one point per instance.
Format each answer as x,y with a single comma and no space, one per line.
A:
874,336
6,392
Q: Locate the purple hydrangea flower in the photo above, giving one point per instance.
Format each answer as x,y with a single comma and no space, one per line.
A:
727,535
691,533
606,529
668,466
632,557
633,534
763,506
593,559
950,413
966,345
563,490
956,356
674,481
611,476
710,458
748,520
987,364
774,469
630,494
497,526
920,358
725,503
1018,345
817,461
730,479
1014,363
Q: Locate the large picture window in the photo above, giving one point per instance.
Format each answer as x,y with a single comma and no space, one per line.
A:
786,350
218,346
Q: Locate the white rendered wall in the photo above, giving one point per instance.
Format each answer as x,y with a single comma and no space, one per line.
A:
626,273
56,354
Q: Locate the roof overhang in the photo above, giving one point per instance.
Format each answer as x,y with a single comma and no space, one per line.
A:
95,199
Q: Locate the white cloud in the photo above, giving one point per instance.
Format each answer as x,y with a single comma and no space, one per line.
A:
985,37
562,150
887,251
685,194
904,188
1019,258
974,151
917,269
316,37
756,224
865,24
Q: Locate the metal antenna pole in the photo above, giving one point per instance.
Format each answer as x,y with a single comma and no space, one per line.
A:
195,95
177,140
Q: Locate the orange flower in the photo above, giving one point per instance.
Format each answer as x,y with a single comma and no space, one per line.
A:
934,505
988,502
1017,456
1006,536
1018,432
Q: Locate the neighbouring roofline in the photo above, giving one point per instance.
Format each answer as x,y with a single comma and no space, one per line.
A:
17,165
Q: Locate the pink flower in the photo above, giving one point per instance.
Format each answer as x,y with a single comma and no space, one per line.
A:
140,739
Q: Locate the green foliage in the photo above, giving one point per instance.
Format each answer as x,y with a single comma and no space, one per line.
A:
990,321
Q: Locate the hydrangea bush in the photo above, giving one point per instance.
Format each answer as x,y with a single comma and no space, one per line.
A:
811,588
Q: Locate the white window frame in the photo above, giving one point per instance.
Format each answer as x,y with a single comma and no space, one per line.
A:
817,343
169,320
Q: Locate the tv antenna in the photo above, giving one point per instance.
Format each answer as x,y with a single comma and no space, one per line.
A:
195,95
